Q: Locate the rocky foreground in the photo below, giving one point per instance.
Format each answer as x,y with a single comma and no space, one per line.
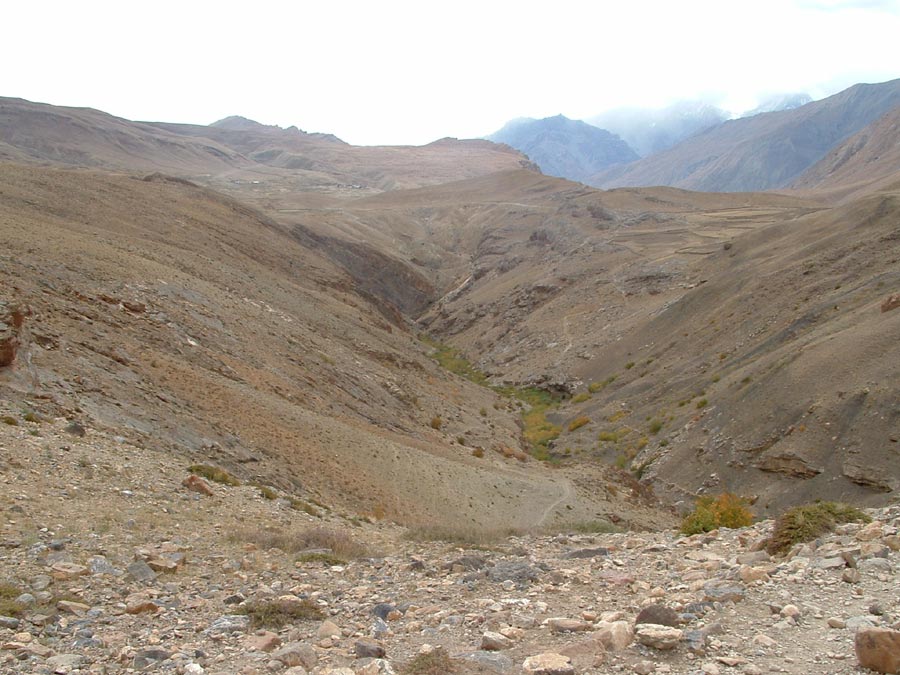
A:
111,564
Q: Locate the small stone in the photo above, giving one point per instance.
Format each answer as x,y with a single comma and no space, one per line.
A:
548,664
69,607
709,668
563,625
713,592
488,661
851,576
75,429
658,614
750,574
494,642
368,649
790,611
835,622
144,658
228,624
266,641
878,649
65,571
383,610
328,629
296,654
60,664
658,637
586,553
763,640
644,667
614,636
141,571
197,484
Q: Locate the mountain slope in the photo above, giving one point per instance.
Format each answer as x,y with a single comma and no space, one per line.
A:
866,160
563,147
762,152
91,138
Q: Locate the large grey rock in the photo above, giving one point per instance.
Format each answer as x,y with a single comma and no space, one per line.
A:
296,654
548,664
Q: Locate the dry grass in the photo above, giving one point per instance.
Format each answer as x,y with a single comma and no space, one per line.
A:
579,422
435,662
214,474
338,543
460,535
8,604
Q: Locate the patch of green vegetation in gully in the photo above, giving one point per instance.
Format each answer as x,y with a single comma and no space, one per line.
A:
539,431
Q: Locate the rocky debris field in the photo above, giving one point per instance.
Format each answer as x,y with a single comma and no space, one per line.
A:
110,563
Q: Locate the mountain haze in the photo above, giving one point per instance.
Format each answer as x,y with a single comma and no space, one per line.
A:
652,131
765,151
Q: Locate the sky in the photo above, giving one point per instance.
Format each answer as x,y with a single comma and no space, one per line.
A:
398,72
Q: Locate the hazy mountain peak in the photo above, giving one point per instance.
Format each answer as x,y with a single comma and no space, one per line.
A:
779,102
564,147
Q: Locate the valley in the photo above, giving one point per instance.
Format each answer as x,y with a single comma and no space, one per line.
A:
432,351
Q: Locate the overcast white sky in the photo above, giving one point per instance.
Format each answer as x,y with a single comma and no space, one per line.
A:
383,71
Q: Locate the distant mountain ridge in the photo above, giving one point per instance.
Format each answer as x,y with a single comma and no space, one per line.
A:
762,152
565,148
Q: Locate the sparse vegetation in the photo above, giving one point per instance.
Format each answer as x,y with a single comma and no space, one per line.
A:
460,535
804,523
279,613
436,422
338,543
214,474
267,493
608,437
32,416
581,398
10,420
655,426
324,558
579,422
434,662
629,365
701,403
595,527
301,505
594,387
478,452
710,513
8,604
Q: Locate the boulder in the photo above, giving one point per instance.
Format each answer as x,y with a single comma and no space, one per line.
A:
878,649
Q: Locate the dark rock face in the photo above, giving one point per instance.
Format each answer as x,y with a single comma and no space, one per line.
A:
12,317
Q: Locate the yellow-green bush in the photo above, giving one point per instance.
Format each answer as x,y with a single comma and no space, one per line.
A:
710,513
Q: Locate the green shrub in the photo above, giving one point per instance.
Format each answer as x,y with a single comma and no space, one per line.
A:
10,420
581,398
338,543
579,422
279,613
608,436
629,365
710,513
655,426
805,523
214,474
324,558
306,507
701,403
